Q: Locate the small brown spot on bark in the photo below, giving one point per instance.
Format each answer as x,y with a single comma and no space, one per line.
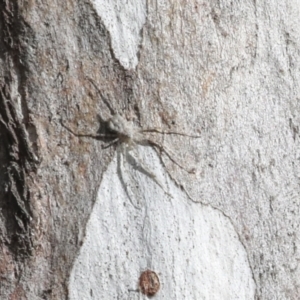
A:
149,283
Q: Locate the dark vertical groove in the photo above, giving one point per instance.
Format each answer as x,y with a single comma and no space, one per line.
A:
17,158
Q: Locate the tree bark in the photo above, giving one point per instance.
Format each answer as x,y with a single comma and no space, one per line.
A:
214,212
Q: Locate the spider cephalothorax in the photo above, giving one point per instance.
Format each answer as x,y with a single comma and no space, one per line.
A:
124,130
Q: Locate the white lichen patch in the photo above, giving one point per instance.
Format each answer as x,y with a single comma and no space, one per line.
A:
193,248
124,21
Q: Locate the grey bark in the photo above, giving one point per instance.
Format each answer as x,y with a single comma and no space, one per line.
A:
227,70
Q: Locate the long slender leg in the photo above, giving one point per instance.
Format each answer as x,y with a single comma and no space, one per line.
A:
162,149
120,153
137,164
112,111
111,143
179,185
90,135
156,130
158,148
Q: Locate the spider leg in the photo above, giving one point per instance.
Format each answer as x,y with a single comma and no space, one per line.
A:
94,136
105,100
111,143
162,149
180,185
121,176
156,130
137,164
159,147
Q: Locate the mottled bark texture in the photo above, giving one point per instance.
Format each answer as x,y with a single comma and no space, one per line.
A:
227,69
18,152
44,170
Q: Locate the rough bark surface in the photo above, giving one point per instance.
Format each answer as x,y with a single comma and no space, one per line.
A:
227,70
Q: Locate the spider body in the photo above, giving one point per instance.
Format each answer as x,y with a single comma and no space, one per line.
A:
124,130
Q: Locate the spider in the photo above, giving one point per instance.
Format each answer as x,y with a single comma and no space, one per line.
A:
127,136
